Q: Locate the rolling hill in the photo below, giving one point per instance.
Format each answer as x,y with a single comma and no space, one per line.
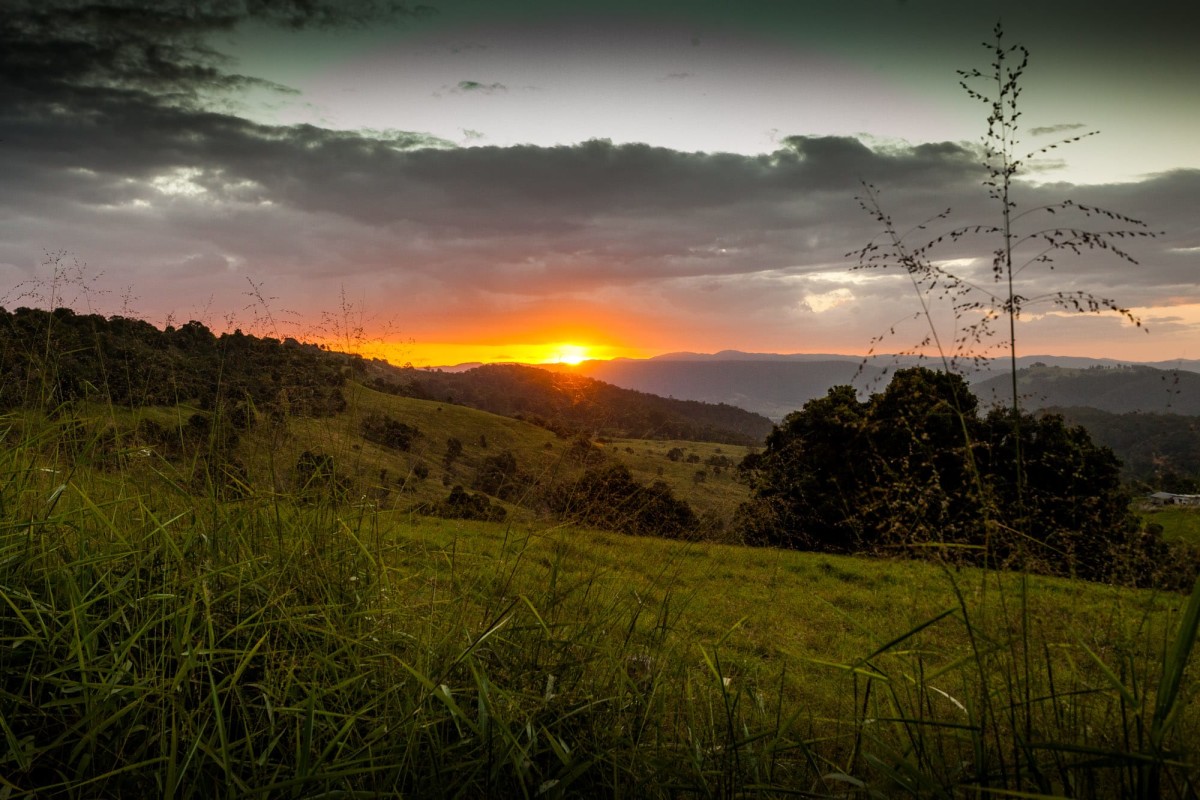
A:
773,388
567,401
65,357
1118,389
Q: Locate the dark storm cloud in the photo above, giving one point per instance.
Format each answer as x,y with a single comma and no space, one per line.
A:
590,214
153,46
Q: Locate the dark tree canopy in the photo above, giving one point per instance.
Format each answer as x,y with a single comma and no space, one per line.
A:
917,465
49,358
383,430
500,476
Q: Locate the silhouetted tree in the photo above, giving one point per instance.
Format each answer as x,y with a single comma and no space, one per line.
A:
916,465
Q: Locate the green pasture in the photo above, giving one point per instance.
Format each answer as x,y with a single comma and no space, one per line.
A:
160,639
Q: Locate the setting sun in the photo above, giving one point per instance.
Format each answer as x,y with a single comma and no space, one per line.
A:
569,354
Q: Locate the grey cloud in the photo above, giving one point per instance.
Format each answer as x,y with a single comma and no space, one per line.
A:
1045,130
591,214
480,88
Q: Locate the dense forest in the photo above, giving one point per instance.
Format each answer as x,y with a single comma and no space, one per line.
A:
49,358
1158,451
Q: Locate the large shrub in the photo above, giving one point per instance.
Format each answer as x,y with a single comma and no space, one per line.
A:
916,465
500,476
609,497
383,430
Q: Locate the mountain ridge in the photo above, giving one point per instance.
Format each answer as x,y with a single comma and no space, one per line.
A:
776,384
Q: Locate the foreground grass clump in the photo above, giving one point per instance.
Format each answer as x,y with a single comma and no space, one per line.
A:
159,641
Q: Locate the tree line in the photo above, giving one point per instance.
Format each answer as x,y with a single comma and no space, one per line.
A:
54,357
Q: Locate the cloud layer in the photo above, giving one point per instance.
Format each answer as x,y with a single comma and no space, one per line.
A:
111,148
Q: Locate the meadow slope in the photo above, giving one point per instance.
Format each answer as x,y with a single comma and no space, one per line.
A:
165,635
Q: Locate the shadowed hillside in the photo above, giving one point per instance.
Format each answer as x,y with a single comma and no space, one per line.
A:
1160,450
776,384
1118,390
568,402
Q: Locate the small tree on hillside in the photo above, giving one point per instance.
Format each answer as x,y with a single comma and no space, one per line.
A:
382,429
609,497
500,476
454,449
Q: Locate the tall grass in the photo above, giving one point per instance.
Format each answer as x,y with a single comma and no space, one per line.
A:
160,642
157,638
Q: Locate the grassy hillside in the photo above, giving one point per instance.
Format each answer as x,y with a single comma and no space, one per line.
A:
161,637
392,477
1178,522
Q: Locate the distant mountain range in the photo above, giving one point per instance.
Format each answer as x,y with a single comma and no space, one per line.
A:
773,388
775,384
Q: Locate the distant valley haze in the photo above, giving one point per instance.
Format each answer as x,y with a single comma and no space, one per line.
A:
774,384
466,181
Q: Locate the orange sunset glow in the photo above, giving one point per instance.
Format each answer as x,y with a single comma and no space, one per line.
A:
441,354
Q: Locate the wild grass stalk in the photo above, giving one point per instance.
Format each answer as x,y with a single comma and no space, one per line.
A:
1031,723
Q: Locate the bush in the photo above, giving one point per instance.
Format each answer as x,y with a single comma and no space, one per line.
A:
316,478
454,449
461,504
916,465
383,430
584,451
608,497
500,476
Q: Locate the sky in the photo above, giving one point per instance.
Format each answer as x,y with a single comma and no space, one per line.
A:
477,181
